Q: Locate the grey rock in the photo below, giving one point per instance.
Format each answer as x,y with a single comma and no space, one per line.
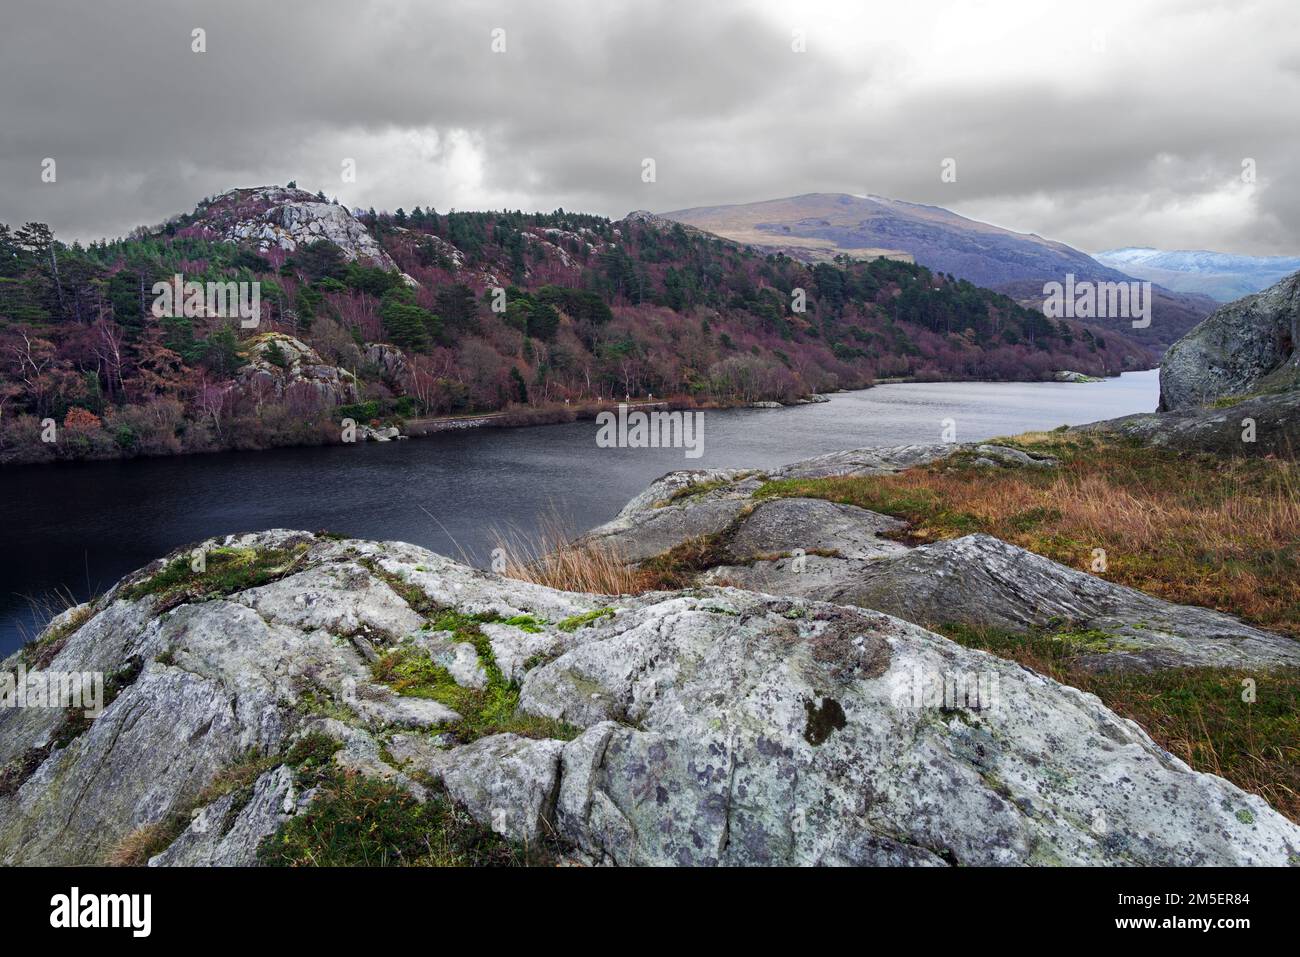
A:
507,782
1265,425
982,581
785,525
732,728
1243,347
227,833
719,726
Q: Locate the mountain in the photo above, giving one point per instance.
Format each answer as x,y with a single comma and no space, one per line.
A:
1221,276
816,227
385,316
822,225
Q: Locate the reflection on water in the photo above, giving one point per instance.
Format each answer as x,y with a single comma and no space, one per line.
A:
82,527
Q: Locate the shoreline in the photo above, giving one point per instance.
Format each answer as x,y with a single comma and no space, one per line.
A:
530,417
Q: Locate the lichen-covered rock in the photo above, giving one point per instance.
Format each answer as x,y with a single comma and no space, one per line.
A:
982,581
275,217
1243,347
505,781
220,834
714,726
1264,425
279,362
732,728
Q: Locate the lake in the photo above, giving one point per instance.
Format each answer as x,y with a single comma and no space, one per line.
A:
83,526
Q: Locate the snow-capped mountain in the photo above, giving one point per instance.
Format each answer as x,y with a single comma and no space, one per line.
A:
1222,276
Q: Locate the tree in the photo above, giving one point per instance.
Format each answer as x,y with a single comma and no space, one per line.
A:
457,306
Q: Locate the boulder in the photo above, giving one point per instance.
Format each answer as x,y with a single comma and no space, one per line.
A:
713,726
280,362
1263,425
1244,347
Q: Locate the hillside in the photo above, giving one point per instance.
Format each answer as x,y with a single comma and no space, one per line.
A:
818,226
1221,276
387,316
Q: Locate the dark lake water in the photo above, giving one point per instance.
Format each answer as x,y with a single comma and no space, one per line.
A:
81,527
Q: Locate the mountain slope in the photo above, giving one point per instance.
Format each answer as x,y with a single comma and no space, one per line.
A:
1221,276
387,316
828,223
818,226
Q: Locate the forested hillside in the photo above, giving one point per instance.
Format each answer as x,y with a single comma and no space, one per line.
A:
386,316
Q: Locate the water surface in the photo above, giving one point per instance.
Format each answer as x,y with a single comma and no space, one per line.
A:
83,526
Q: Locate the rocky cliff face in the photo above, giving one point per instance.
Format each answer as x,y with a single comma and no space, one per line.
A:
275,217
1245,347
278,362
708,726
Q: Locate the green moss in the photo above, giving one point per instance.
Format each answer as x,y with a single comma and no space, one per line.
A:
526,623
696,490
410,593
1058,643
357,821
493,709
311,757
226,571
318,702
574,622
1245,817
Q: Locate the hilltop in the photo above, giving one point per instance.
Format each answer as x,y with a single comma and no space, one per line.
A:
816,227
396,315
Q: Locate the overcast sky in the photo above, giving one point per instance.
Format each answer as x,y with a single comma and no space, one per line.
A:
1099,124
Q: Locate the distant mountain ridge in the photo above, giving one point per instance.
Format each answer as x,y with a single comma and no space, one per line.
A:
1221,276
815,227
824,224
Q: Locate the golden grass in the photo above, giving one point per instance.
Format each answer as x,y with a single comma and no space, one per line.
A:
552,556
1201,530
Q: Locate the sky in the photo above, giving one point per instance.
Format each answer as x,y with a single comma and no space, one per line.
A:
1168,123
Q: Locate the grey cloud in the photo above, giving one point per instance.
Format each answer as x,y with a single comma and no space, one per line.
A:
1129,149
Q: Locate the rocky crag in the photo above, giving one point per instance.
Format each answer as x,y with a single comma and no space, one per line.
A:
807,722
1244,348
1231,386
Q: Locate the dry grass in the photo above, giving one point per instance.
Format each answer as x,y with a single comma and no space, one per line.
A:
1204,530
553,557
136,848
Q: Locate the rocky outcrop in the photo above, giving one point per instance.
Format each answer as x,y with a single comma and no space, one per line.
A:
713,726
1264,425
1242,348
1067,376
809,548
280,362
274,217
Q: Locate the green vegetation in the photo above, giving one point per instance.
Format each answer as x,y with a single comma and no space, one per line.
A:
493,709
574,622
1205,716
223,571
695,490
356,821
526,623
1203,530
39,653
